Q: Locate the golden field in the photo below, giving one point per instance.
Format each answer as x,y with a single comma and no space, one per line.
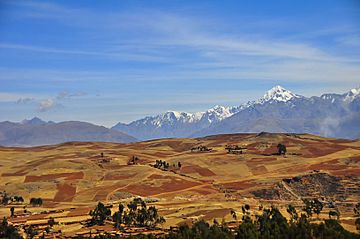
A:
72,177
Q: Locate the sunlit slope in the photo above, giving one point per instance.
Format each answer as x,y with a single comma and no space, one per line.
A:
208,184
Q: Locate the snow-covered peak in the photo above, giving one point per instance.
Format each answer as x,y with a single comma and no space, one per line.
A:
175,114
352,94
170,118
278,94
218,113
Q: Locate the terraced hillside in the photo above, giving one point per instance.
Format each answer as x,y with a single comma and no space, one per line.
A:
206,182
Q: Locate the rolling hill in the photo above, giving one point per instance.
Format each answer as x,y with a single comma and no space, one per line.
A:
37,132
72,177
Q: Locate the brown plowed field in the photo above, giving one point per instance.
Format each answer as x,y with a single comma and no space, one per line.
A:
72,177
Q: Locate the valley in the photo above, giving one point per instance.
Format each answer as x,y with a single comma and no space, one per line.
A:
185,185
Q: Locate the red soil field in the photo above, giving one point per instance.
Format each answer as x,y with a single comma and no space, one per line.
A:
79,211
46,177
329,165
346,172
18,173
197,169
240,185
259,160
65,193
320,149
172,184
118,176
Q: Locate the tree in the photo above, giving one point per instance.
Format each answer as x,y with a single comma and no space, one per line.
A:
8,231
333,213
308,209
233,214
12,211
317,207
99,214
281,149
5,199
293,213
121,208
357,215
117,218
36,201
31,232
51,222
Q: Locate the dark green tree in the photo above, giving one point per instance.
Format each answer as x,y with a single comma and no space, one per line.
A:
317,207
281,149
8,231
51,222
31,232
293,213
99,214
12,211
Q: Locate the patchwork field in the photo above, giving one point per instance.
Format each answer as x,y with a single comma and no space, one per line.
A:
72,177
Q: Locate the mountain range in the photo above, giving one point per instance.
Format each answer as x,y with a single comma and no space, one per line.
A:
279,110
36,132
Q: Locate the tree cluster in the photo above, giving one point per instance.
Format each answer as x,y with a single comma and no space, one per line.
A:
201,148
161,164
8,231
36,201
99,215
269,224
137,213
234,149
165,165
7,199
312,206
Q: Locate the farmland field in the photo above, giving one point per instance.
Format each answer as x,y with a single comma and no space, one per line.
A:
72,178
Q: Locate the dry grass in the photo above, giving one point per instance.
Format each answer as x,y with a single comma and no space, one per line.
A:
71,176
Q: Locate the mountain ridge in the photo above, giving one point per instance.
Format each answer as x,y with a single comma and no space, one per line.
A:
36,132
216,120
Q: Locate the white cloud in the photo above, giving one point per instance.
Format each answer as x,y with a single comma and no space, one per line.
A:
24,100
15,97
47,104
67,95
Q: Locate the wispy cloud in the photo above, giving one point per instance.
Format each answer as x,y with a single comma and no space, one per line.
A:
112,55
350,40
126,50
47,105
67,95
25,100
15,97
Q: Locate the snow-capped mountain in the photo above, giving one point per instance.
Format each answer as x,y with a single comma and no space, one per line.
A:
279,110
174,123
352,94
277,94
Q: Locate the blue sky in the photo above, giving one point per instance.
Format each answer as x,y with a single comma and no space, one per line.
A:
111,61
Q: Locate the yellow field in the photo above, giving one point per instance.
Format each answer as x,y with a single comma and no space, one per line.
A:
73,177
